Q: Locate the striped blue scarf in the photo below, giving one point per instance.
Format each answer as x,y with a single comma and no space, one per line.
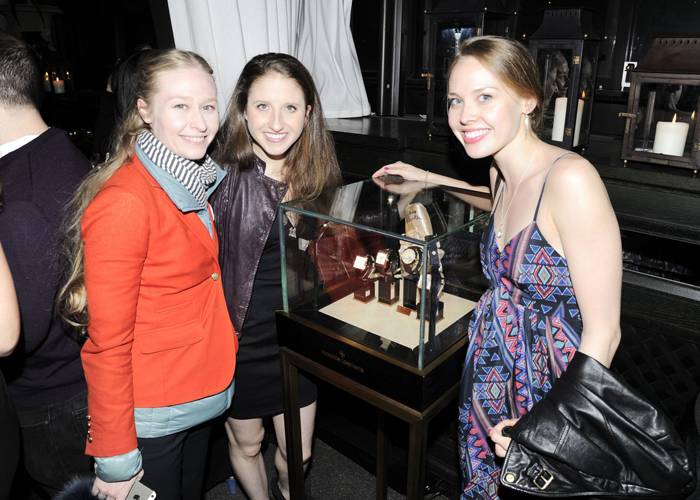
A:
195,178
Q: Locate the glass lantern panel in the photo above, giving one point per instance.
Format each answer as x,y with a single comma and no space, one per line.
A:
666,118
554,65
448,38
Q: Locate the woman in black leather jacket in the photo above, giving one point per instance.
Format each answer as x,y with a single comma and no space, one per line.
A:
276,147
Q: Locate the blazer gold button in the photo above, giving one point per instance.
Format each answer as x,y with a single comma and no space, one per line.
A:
215,276
509,478
89,418
89,439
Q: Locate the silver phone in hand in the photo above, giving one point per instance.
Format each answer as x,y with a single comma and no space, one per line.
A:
140,491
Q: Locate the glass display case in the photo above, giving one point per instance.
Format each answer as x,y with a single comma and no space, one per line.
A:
395,272
663,108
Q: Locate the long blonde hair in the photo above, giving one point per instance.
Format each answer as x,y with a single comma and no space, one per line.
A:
72,297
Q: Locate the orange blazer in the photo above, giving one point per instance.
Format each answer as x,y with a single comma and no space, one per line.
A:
159,331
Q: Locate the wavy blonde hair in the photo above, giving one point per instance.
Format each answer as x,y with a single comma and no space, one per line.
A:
72,296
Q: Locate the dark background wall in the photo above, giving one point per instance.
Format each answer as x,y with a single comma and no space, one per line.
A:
627,28
89,37
86,39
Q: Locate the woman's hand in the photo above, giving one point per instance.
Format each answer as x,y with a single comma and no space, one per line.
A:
114,491
496,435
401,188
408,172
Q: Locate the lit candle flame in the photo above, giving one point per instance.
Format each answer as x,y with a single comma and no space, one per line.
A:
674,118
46,76
583,94
692,116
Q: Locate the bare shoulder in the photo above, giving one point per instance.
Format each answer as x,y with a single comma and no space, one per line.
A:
573,177
575,193
573,168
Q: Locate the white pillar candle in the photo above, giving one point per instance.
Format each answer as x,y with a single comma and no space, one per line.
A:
670,137
577,127
559,119
59,86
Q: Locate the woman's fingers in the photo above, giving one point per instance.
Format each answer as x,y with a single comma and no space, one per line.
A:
500,441
391,168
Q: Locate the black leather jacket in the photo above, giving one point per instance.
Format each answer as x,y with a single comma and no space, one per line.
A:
245,205
593,435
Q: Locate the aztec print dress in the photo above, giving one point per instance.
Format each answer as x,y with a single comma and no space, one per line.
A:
523,334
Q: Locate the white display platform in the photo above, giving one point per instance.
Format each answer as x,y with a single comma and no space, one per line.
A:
384,320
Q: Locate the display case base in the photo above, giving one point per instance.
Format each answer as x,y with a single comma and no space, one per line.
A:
411,386
404,391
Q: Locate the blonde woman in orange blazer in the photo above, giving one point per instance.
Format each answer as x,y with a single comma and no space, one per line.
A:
160,354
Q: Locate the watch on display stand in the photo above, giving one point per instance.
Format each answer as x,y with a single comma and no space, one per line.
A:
386,264
365,264
419,227
410,258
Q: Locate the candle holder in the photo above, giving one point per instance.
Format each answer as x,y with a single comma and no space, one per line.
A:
565,48
663,107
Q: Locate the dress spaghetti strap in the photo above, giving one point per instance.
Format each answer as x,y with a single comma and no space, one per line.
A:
544,183
496,192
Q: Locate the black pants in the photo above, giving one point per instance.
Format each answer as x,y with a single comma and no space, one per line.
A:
174,465
53,447
9,437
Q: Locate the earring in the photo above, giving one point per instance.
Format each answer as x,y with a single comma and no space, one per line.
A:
527,121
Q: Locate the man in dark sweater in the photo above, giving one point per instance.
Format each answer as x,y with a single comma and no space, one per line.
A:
39,171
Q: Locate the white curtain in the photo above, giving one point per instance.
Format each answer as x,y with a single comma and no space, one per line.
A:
230,32
327,49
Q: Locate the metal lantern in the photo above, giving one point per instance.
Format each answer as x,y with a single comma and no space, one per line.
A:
565,48
663,107
447,24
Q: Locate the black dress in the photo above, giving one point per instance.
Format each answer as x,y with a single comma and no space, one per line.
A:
258,378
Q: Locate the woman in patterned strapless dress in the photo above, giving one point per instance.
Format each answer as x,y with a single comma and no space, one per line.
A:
551,253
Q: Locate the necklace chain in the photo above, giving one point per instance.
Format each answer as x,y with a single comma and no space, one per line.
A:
502,222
